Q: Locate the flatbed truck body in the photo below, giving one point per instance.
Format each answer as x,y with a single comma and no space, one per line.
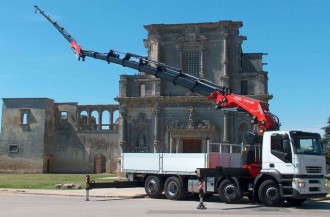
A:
294,174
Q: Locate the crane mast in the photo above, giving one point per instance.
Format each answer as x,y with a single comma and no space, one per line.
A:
222,96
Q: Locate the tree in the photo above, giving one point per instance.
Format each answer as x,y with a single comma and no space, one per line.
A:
326,141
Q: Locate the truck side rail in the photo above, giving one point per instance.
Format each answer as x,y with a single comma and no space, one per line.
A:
163,163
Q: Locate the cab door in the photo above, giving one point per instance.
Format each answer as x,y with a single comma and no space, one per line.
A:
280,156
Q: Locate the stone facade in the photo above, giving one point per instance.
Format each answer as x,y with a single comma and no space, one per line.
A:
169,118
25,138
39,135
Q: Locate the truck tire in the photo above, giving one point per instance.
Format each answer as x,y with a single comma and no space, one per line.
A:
153,186
229,192
174,189
269,193
295,202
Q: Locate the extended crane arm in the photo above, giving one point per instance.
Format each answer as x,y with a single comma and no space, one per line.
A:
220,95
74,46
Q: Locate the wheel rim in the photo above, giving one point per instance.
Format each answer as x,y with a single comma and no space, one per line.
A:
152,186
230,191
272,193
172,188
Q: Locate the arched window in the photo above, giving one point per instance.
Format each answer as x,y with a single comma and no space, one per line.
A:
83,117
94,120
115,120
106,120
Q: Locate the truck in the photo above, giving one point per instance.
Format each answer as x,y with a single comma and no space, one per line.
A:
272,167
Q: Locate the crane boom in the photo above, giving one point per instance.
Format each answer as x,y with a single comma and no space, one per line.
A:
74,46
222,96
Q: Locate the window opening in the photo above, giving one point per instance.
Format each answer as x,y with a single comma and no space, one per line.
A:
94,122
13,148
244,88
64,115
192,62
105,120
25,117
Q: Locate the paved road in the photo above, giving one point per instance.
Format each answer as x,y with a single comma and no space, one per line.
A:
18,205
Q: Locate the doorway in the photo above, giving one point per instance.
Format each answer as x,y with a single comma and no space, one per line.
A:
99,164
191,145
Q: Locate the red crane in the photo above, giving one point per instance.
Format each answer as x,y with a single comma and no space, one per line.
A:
222,96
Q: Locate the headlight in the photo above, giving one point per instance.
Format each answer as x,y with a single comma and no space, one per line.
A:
301,184
326,183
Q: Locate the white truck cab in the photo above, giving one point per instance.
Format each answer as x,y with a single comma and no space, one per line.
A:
296,162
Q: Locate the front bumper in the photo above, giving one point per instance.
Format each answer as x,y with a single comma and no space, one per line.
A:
298,195
309,188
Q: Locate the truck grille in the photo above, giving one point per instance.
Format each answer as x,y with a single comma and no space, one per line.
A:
314,189
310,169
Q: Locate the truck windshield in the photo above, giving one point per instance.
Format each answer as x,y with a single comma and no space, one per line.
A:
309,146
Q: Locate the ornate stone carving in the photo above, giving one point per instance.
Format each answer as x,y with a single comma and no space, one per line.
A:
175,124
190,119
206,125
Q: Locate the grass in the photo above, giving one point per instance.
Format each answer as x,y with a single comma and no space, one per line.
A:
47,181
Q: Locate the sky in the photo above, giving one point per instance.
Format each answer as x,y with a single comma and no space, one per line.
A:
37,62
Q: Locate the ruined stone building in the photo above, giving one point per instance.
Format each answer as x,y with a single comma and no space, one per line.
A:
40,135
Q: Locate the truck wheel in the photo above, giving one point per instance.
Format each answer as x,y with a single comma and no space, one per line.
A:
153,186
173,188
269,193
295,202
229,192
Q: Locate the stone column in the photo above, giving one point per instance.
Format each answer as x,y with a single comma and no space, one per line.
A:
177,148
201,72
175,144
171,144
153,47
225,127
123,123
225,61
78,119
99,127
111,119
225,55
181,59
89,117
156,129
225,82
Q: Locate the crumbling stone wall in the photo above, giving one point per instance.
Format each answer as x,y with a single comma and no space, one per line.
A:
25,137
76,151
81,139
39,135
